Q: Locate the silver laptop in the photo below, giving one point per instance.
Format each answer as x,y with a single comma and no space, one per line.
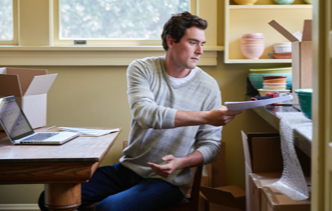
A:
19,130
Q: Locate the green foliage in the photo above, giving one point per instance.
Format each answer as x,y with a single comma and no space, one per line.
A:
6,20
116,19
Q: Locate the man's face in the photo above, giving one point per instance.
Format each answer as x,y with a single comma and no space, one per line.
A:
186,53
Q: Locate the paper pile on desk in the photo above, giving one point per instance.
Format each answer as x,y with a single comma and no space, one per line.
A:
90,132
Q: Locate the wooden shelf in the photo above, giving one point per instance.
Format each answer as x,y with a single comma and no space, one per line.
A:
269,6
258,61
244,19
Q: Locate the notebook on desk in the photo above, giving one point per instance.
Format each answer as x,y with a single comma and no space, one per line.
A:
19,130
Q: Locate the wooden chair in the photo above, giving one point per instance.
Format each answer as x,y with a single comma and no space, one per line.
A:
191,203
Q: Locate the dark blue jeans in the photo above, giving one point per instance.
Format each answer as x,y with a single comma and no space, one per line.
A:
118,188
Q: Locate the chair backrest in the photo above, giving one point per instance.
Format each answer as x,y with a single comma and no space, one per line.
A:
194,197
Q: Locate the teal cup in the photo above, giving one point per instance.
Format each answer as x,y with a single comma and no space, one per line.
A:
305,101
284,1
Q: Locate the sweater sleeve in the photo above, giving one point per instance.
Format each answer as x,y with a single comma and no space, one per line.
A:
142,102
208,137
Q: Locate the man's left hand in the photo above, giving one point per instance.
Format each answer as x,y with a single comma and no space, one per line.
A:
168,168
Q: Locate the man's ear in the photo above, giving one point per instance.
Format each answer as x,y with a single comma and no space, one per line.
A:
170,41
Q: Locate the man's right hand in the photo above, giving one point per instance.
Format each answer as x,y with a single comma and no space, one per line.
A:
216,117
221,116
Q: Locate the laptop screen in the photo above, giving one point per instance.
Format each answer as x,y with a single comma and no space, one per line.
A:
13,119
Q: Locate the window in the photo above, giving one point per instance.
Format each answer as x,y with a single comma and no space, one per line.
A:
123,21
8,22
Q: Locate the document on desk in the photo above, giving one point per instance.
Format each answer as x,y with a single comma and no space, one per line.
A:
90,132
243,105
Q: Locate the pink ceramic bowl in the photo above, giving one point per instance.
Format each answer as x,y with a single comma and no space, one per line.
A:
252,41
252,51
253,36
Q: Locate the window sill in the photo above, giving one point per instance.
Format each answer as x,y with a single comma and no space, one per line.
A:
89,55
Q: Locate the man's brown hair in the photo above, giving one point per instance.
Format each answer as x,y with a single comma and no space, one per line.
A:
177,25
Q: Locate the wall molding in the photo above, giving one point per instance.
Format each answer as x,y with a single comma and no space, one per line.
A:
89,56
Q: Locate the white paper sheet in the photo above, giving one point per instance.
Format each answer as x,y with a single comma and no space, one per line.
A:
243,105
89,132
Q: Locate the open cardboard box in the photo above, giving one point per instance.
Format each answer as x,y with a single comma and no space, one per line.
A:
301,56
256,184
264,166
227,198
30,87
214,189
273,200
262,154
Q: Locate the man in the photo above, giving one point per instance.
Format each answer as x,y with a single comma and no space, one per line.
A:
177,119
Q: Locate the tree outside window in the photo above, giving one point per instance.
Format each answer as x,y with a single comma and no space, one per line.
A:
116,19
6,20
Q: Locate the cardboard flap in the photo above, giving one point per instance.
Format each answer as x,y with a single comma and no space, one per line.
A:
40,84
224,196
307,30
253,135
234,190
3,70
277,199
246,148
9,85
267,155
25,76
283,31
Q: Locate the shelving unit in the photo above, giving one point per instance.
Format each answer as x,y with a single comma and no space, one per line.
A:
243,19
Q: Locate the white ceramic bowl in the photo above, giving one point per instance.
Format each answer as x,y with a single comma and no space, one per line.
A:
282,47
274,87
252,51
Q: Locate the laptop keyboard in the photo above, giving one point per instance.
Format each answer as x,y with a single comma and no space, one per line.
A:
39,136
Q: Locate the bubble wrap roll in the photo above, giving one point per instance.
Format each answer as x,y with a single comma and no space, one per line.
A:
292,182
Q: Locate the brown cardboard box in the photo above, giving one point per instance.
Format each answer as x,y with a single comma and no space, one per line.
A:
30,87
301,56
216,171
256,183
264,165
273,200
214,190
262,154
213,175
227,197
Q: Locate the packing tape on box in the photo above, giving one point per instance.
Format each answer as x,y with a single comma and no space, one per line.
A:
292,182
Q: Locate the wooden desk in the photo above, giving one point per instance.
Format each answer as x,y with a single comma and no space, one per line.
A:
62,168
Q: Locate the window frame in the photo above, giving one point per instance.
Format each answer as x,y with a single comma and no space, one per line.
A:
109,42
15,26
36,41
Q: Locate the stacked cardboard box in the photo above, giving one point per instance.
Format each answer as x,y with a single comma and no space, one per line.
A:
264,166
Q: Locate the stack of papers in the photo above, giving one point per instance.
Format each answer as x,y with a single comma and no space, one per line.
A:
243,105
89,132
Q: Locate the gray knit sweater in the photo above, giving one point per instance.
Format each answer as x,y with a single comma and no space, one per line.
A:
154,100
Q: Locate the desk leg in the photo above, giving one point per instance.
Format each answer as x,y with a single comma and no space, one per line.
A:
62,196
